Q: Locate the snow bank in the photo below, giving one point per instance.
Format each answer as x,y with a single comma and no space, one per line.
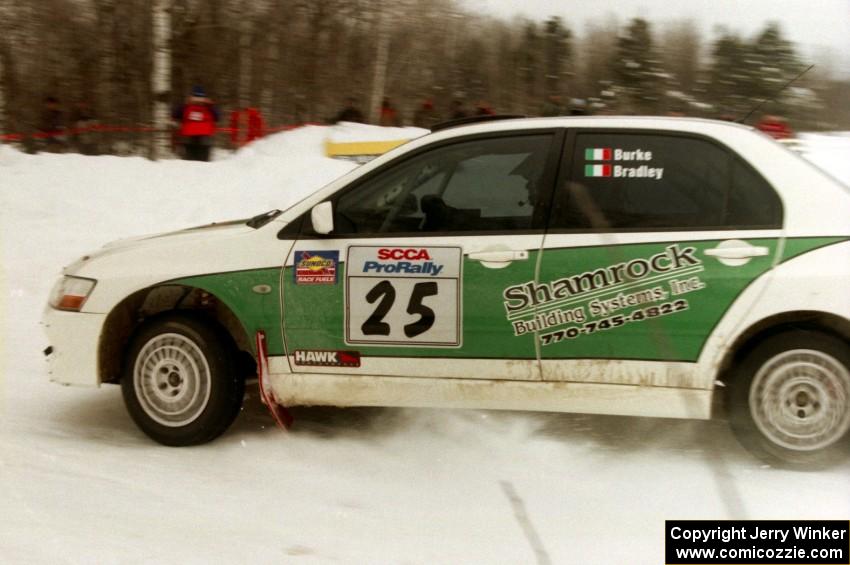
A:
79,203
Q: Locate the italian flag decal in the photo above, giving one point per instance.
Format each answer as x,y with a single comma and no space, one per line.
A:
597,170
597,154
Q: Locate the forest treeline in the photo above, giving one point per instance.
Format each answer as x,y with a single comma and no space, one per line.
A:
299,60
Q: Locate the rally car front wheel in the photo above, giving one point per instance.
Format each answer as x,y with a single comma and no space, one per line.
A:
790,399
179,383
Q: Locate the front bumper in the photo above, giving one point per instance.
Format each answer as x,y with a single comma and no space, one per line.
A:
74,338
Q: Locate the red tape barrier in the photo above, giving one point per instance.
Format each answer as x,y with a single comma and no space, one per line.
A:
132,129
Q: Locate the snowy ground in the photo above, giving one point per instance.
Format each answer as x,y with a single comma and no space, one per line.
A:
80,484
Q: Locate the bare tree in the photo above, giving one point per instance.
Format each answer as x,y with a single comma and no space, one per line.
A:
298,60
6,22
161,77
598,45
381,60
4,58
680,51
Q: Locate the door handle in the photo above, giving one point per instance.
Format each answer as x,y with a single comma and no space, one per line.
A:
738,252
735,252
501,256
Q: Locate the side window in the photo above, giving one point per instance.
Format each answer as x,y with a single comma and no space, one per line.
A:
655,181
479,185
752,202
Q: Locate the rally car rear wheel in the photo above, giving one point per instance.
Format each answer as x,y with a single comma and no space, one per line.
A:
790,401
179,383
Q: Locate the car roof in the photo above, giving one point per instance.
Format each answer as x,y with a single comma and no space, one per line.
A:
731,133
815,204
695,125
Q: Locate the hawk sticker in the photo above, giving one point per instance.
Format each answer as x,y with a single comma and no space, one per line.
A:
323,358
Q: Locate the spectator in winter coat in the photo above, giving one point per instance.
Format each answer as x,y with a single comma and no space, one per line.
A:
578,107
426,115
458,110
389,115
246,125
197,119
52,126
482,108
553,106
775,127
350,113
82,121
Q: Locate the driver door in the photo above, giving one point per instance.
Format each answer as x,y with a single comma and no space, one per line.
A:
412,279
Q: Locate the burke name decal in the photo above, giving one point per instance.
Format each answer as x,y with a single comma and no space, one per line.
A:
604,170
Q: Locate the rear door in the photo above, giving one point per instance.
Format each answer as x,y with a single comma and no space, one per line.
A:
411,281
653,236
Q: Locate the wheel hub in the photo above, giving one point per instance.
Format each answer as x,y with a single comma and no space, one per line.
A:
800,399
172,379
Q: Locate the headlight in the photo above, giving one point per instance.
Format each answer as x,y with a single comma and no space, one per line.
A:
70,293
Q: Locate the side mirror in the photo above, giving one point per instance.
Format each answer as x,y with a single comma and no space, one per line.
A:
322,216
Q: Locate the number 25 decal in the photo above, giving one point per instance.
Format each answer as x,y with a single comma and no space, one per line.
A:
385,292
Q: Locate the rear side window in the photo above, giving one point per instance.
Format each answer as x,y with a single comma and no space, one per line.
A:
625,181
751,200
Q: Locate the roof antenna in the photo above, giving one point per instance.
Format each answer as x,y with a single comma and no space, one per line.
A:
772,98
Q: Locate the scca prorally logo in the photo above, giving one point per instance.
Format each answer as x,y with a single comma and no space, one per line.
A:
606,170
407,260
385,254
316,267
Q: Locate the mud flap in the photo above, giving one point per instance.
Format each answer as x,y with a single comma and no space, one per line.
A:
279,412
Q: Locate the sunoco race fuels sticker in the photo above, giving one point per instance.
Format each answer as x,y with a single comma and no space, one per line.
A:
316,267
398,295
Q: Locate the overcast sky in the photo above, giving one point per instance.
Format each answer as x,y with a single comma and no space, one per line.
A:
813,24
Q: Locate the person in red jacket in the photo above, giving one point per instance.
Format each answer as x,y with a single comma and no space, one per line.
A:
246,125
775,127
197,119
389,115
482,108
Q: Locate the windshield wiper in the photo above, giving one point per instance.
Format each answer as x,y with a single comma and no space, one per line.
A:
262,219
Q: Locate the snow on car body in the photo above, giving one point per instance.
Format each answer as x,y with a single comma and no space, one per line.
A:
602,265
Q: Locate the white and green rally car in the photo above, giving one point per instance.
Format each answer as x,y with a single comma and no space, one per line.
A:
597,265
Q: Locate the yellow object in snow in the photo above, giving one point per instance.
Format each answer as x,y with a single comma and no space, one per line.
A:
360,151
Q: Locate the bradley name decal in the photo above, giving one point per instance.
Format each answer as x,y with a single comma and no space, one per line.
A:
617,155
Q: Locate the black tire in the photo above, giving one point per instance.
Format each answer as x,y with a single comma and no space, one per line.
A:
180,382
789,399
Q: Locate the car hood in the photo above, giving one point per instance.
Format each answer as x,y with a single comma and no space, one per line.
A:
234,226
130,265
167,243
